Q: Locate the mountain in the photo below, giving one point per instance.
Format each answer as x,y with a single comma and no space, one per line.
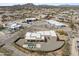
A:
31,5
70,5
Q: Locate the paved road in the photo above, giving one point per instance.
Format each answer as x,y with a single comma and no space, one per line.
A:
9,38
16,52
74,50
73,43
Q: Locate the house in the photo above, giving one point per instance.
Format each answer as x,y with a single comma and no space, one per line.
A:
29,20
13,26
38,36
56,24
41,41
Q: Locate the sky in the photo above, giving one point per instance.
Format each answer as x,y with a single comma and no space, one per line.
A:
37,2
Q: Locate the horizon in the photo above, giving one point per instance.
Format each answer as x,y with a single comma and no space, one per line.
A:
39,2
53,4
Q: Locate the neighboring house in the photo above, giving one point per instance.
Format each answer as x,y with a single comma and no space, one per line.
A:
56,24
29,20
13,26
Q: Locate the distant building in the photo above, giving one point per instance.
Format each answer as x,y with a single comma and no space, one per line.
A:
29,20
41,16
65,12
